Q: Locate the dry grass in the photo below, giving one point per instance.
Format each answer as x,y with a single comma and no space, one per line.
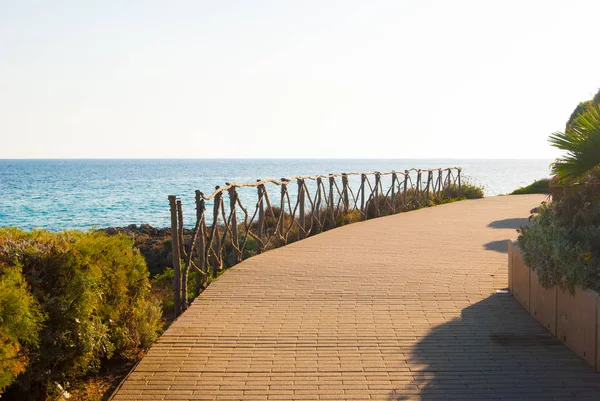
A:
101,386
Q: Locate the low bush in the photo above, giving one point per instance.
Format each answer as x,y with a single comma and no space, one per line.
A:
94,292
537,187
348,218
414,200
562,242
467,191
248,246
20,324
561,254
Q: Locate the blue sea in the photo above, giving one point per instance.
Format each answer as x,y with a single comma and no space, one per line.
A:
81,194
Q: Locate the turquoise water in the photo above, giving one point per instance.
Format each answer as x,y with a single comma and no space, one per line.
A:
61,194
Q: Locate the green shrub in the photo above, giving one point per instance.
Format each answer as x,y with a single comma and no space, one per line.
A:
381,203
582,108
561,254
471,191
562,242
537,187
468,190
162,289
250,249
131,318
93,289
417,200
348,218
20,323
577,205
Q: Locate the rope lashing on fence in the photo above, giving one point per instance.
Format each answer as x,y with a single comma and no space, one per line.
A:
231,234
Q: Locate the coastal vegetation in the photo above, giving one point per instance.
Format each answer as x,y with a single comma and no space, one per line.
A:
582,108
541,186
562,240
21,319
71,301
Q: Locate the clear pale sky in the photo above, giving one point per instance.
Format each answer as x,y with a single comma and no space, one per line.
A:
196,79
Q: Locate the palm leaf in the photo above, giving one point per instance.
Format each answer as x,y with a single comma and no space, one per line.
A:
581,141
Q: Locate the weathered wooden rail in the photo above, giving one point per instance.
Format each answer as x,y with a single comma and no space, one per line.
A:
236,233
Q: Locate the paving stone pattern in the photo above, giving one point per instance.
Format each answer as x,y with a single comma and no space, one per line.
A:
396,308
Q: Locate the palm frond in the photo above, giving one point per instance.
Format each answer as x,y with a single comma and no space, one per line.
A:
581,141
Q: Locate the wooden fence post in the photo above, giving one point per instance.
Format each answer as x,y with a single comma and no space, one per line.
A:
301,218
180,232
280,222
429,176
261,217
459,182
439,186
176,255
405,186
363,214
419,185
331,208
317,211
376,194
200,208
447,181
346,200
182,253
237,254
215,245
393,200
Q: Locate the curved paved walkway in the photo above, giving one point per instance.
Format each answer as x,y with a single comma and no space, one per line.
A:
397,308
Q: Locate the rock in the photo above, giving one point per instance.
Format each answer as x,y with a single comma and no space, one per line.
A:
111,231
132,227
148,229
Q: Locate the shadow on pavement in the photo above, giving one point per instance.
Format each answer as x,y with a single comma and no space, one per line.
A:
496,351
509,223
498,246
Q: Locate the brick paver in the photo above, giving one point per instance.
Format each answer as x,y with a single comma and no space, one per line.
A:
397,308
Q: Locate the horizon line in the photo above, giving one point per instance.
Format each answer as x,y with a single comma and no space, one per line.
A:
275,158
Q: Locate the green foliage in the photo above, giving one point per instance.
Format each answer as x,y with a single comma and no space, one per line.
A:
562,242
249,249
414,200
596,99
131,318
541,186
93,289
581,141
581,108
576,186
348,218
20,323
162,289
578,205
467,191
560,254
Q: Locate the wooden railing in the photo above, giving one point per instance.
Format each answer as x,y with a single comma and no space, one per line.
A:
230,232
